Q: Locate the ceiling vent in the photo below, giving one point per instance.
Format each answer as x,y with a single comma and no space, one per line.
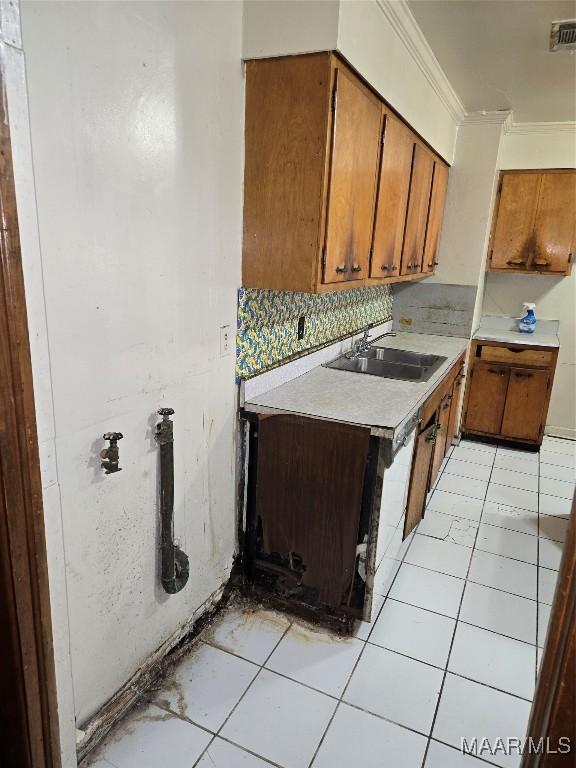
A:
563,35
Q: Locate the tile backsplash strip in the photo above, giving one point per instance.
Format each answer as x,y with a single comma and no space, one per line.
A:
267,324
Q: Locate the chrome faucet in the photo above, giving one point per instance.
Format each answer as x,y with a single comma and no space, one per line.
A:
361,346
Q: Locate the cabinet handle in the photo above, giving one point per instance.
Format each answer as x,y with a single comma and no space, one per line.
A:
516,262
497,371
541,262
523,375
356,268
340,270
433,263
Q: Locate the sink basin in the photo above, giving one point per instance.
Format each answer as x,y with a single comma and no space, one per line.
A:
391,364
404,356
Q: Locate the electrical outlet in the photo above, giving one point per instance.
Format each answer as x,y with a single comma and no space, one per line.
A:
301,321
225,341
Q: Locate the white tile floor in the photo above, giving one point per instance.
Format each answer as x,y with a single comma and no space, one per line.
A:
460,613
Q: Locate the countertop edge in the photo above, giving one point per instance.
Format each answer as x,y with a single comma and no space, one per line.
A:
377,430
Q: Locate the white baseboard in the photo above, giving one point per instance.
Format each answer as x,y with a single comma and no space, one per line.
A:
566,432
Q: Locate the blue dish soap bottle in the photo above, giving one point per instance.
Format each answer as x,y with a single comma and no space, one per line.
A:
527,322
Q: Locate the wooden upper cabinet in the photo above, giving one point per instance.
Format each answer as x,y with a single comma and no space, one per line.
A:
555,223
418,207
287,124
435,216
393,188
535,222
352,176
336,187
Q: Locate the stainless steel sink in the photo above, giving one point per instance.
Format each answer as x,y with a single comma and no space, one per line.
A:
391,364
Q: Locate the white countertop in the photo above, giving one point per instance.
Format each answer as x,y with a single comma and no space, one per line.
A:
503,328
359,398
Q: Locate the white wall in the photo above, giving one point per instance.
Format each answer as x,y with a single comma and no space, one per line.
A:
283,27
370,35
136,113
471,188
555,297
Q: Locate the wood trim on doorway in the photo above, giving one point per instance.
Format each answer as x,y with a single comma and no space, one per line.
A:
553,714
29,735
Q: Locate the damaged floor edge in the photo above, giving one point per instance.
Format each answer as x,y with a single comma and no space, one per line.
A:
155,667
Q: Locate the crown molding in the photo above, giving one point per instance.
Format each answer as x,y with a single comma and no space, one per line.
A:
406,28
568,126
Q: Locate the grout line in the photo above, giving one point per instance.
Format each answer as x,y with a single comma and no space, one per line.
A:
451,671
485,499
261,667
459,751
360,656
440,693
452,618
242,749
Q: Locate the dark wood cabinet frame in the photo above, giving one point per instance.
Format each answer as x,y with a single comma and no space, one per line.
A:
29,736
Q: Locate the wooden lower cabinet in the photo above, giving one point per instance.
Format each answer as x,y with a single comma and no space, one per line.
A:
505,399
441,442
456,407
420,476
487,397
525,401
441,422
326,500
308,500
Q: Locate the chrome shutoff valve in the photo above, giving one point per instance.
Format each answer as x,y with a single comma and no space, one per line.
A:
112,453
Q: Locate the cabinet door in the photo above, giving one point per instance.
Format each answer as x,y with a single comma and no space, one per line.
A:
442,421
554,228
525,404
513,234
453,422
419,478
393,187
353,172
309,486
486,398
417,216
435,216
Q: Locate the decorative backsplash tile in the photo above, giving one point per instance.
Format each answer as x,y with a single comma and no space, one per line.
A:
267,325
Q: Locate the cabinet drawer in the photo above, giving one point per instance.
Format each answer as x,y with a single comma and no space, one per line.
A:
516,356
